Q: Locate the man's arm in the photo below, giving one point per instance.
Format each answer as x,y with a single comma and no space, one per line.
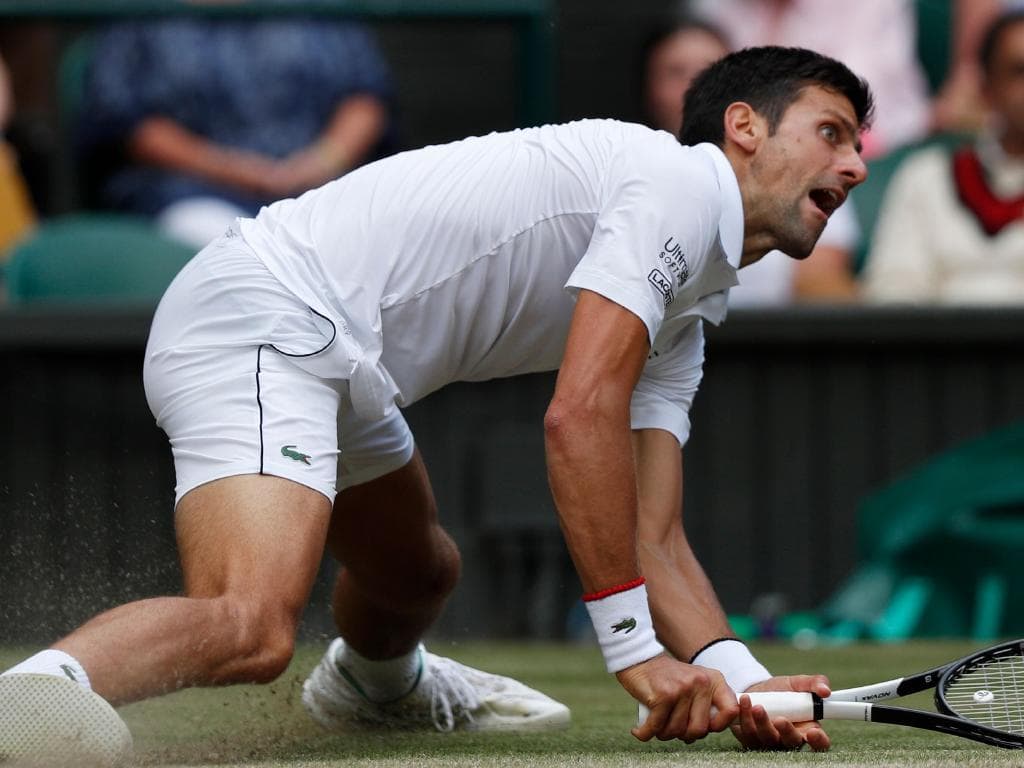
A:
165,143
353,131
686,610
591,471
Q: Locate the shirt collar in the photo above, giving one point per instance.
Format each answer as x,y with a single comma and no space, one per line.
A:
730,226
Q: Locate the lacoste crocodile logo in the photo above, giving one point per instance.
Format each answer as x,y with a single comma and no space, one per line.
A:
69,672
290,452
626,624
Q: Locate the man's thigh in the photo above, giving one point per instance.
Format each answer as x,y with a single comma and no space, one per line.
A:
387,528
256,537
253,435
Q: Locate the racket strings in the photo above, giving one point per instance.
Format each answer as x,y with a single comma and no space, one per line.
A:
990,692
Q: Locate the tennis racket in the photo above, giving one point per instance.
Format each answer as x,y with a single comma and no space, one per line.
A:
979,697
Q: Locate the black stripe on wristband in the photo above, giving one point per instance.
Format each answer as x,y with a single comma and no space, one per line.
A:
716,641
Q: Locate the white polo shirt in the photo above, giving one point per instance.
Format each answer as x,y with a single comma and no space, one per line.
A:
460,262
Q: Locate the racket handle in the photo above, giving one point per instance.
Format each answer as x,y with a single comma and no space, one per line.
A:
794,706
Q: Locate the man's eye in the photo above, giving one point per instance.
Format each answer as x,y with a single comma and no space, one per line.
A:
830,133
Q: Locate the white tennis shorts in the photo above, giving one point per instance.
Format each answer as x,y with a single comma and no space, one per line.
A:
224,380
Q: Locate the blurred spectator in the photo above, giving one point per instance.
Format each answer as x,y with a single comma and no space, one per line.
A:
951,228
209,119
17,215
675,52
874,38
959,105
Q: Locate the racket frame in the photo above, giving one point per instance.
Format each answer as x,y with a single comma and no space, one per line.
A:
858,703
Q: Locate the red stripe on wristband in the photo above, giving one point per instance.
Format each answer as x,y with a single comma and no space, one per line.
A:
609,591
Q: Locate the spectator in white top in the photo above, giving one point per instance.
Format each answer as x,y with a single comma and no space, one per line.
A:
951,228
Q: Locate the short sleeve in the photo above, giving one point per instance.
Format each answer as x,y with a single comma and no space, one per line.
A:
669,382
660,215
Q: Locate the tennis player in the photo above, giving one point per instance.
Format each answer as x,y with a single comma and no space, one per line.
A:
596,247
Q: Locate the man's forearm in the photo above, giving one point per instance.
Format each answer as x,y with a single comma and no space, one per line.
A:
686,611
594,488
587,440
354,130
164,143
687,614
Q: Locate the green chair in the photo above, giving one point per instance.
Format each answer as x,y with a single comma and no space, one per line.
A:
941,549
934,39
869,196
94,259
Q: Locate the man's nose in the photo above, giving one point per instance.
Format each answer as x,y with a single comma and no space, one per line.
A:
853,168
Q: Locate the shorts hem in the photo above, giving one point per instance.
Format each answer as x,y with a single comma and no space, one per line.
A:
182,490
393,462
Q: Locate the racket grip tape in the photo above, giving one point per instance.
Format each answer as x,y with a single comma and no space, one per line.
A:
795,706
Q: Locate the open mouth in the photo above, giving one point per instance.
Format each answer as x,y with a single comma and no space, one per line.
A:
827,200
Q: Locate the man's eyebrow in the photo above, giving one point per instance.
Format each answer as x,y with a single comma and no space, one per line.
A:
850,128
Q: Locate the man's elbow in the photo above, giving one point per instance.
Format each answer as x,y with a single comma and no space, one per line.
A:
558,422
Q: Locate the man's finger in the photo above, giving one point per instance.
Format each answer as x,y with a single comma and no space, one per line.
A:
724,708
789,736
812,683
818,740
765,731
693,724
651,722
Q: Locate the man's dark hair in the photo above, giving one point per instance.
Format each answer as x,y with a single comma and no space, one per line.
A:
769,79
993,36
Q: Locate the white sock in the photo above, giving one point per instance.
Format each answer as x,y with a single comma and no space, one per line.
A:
380,681
53,662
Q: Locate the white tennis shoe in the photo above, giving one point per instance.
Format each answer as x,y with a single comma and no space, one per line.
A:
448,695
54,722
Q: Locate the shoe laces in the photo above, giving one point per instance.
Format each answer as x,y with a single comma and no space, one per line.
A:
452,695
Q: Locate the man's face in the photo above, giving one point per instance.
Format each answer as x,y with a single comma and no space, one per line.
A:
1004,85
805,170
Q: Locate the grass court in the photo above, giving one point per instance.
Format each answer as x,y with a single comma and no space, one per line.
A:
266,727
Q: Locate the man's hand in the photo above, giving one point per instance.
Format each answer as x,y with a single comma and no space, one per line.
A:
756,730
680,698
306,169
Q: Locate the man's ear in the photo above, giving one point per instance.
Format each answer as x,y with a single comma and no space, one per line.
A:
744,126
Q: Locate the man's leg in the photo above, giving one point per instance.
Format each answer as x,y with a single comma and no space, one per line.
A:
399,566
250,547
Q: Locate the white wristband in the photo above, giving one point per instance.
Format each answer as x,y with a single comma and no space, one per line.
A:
623,623
735,661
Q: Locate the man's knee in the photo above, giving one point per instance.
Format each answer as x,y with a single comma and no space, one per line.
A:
429,579
441,580
424,578
263,639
